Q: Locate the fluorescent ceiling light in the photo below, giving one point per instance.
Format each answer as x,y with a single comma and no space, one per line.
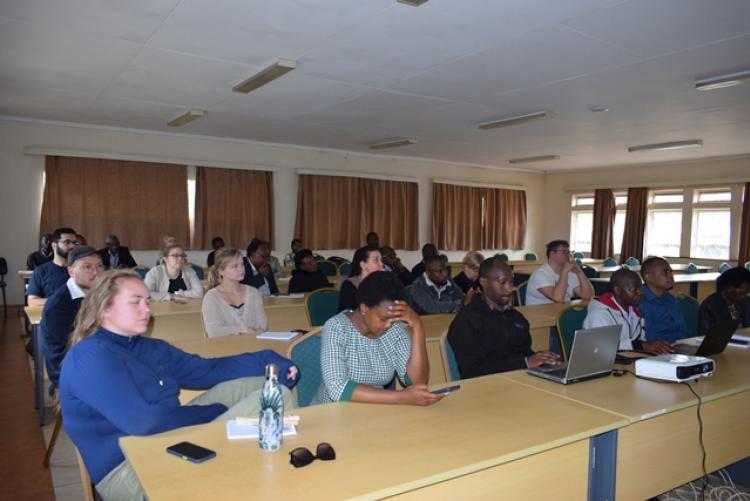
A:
540,158
277,69
413,3
721,81
521,119
185,118
392,144
674,145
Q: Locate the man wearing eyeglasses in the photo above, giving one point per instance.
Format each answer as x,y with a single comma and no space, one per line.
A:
84,265
559,279
52,275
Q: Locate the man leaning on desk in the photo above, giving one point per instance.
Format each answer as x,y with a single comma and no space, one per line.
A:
558,280
488,335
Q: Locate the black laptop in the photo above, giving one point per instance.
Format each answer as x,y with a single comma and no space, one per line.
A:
714,342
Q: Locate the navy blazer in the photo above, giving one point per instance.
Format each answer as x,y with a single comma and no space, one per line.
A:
257,280
123,256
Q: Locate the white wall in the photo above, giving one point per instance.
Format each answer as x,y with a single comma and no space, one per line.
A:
22,177
705,172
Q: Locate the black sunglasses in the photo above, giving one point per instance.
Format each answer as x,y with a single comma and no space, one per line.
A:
301,456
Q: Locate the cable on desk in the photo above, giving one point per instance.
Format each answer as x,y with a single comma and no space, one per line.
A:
700,439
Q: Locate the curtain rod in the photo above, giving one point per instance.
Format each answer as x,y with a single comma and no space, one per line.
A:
478,184
343,173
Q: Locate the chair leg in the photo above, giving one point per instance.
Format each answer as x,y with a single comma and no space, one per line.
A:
53,439
5,304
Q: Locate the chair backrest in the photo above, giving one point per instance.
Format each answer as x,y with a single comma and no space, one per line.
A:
198,270
318,257
568,322
578,255
141,270
579,262
88,487
724,267
747,265
692,268
610,262
345,268
600,287
589,271
522,292
321,305
689,307
530,256
503,257
327,268
631,261
3,266
305,353
450,365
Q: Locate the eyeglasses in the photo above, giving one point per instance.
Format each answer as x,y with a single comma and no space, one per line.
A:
563,251
301,456
178,256
68,242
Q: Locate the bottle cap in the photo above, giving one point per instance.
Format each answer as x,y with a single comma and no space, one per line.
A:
272,370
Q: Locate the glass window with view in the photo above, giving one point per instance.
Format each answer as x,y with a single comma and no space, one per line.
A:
711,225
582,221
664,223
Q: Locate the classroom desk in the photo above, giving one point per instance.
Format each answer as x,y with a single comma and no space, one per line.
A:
697,285
386,451
34,316
677,269
659,450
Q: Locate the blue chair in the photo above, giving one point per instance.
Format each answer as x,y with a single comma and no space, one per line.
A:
503,257
345,268
610,262
689,307
589,271
141,270
568,322
530,256
631,261
450,365
747,265
600,287
521,292
579,262
724,267
318,257
692,268
305,353
327,268
321,305
198,270
578,255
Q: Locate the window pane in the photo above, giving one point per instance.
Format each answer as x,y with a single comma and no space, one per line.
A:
583,200
663,231
619,230
713,196
710,237
581,226
621,199
661,198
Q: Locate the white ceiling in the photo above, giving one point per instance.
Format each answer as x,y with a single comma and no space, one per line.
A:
375,70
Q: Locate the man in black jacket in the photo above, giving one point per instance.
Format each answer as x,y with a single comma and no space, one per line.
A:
488,335
729,302
115,255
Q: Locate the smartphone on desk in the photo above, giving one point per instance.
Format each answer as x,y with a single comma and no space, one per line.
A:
191,452
446,390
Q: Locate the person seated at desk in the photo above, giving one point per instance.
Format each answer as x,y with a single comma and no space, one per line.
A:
469,276
372,239
273,261
50,276
366,260
619,307
116,382
661,310
166,242
306,276
559,279
361,350
41,256
231,307
60,310
258,273
435,292
428,250
216,244
289,256
729,302
392,263
489,336
174,279
115,255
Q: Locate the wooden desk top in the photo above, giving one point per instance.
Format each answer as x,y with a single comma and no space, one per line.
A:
34,314
676,267
543,315
469,432
25,274
231,345
682,278
167,308
639,399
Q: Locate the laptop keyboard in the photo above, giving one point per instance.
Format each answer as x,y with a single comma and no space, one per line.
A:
557,370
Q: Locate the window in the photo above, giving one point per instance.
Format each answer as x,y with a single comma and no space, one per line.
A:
713,195
711,225
666,197
663,232
582,222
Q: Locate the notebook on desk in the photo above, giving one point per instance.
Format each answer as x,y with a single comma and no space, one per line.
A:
713,342
592,355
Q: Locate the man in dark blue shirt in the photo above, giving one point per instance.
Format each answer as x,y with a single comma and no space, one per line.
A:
661,310
60,310
52,275
44,254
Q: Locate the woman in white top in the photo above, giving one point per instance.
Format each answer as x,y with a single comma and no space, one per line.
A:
174,279
231,307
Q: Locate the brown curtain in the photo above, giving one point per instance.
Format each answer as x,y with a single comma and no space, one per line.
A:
137,201
504,219
635,224
456,216
234,204
602,238
744,254
391,211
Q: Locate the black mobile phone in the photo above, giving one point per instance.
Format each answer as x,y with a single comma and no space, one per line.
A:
191,452
446,390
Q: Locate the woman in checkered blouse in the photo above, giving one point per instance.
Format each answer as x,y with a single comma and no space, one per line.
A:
363,349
